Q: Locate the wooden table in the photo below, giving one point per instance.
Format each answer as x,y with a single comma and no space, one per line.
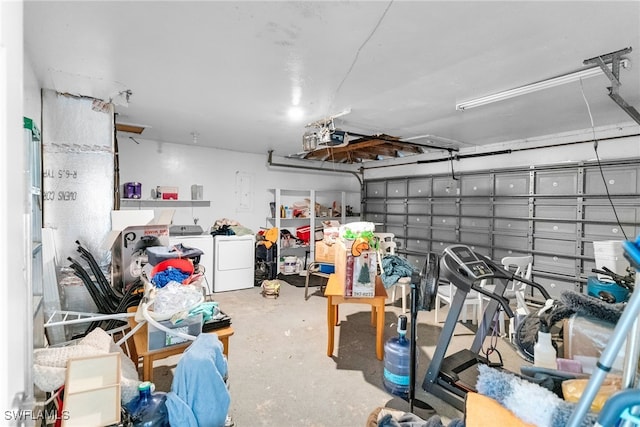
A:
148,357
335,296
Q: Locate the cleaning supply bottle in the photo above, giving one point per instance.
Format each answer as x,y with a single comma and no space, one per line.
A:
396,361
148,409
544,353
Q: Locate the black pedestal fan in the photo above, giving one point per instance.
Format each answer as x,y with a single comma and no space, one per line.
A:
424,287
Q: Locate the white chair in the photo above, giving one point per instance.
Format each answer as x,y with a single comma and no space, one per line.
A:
521,266
445,295
387,246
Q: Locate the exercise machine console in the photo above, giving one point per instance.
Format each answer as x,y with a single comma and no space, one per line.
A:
451,377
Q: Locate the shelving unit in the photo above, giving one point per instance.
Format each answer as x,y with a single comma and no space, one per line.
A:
159,203
285,197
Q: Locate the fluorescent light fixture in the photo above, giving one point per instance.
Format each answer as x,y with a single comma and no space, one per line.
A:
534,87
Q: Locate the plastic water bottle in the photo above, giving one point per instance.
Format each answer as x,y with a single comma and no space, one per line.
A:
544,353
148,409
396,361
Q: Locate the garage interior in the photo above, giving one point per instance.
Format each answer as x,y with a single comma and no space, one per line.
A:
508,129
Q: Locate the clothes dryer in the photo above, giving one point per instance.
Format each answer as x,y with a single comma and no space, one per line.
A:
233,262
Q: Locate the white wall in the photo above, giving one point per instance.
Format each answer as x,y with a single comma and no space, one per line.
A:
14,258
155,163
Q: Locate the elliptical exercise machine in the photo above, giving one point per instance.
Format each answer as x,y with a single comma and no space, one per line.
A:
451,377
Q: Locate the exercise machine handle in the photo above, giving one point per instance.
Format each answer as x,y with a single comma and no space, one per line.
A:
504,303
531,283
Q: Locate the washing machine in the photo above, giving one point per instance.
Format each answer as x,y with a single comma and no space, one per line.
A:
233,262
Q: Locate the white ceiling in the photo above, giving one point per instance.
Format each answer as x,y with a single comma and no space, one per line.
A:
230,71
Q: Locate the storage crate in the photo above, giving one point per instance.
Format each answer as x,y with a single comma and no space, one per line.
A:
158,339
326,268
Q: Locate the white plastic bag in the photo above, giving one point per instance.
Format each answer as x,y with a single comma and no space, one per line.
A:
175,298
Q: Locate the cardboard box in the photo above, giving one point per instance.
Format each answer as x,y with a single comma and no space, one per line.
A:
325,253
357,274
158,339
128,245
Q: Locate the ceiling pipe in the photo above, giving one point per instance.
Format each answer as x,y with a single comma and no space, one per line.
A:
284,165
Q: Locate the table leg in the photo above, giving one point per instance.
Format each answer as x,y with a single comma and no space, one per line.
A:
380,331
147,368
373,315
225,346
331,320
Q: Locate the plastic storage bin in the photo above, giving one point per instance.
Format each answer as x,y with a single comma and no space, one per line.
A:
158,339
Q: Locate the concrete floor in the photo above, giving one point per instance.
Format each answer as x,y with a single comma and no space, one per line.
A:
281,376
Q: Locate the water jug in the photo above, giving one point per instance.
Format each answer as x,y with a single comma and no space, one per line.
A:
396,361
148,409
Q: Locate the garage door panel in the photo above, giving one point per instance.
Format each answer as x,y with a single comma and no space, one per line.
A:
512,184
510,242
444,221
554,286
449,236
554,264
418,208
421,220
564,247
618,181
475,209
511,210
557,182
377,218
419,232
558,210
375,207
446,208
510,225
418,245
420,187
445,187
395,208
397,231
550,228
470,238
397,188
376,189
475,185
482,223
396,219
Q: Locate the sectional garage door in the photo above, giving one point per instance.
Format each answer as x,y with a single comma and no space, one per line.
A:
552,212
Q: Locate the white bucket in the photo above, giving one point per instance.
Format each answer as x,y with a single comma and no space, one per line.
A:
290,265
610,254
